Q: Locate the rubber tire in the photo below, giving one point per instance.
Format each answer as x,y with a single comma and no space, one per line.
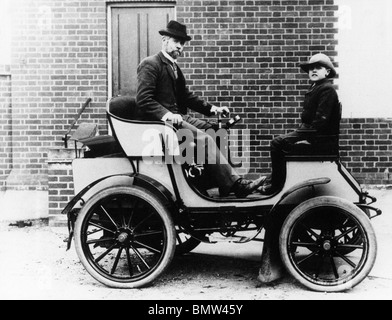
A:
356,213
154,201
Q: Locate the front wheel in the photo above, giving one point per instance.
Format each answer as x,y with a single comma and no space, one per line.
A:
125,237
324,260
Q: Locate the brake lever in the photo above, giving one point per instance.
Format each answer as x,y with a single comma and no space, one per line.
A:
233,121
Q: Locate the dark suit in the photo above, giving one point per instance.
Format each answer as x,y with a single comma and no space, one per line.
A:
320,115
159,92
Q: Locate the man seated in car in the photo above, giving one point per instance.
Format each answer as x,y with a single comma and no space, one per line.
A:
164,96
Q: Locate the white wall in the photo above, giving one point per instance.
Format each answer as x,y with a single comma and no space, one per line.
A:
365,58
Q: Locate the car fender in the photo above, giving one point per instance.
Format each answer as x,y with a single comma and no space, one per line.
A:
133,179
298,186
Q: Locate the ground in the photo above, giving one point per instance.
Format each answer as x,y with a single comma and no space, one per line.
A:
36,265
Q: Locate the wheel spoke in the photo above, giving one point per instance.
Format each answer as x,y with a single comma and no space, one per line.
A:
305,244
352,264
350,246
143,221
105,253
124,224
148,234
129,262
307,257
345,233
132,212
110,218
148,247
347,238
141,257
114,267
307,229
100,227
99,240
178,238
89,233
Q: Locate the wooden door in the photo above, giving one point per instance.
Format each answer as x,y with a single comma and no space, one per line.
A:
134,36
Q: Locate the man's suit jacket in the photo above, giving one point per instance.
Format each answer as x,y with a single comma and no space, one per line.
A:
159,92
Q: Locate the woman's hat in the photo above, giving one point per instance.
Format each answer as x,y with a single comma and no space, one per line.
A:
320,59
176,30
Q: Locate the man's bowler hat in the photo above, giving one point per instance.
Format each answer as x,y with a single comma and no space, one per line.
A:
176,30
320,59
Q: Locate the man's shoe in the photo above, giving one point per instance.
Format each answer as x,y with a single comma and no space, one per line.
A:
242,188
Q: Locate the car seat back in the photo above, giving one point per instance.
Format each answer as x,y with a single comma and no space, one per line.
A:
141,139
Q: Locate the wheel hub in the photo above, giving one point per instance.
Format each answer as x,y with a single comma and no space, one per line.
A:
327,246
122,237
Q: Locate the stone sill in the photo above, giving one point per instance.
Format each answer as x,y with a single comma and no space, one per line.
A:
62,155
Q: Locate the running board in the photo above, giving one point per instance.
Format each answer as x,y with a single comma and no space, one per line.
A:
234,239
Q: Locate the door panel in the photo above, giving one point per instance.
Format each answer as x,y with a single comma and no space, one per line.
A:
134,37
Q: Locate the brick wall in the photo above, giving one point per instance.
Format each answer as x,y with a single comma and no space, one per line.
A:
59,59
60,181
244,54
5,125
366,149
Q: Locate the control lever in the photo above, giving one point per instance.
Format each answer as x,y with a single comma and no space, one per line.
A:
232,121
229,124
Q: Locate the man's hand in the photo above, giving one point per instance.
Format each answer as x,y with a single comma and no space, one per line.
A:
220,110
175,118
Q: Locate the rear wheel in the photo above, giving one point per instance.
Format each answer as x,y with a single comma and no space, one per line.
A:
327,259
125,237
